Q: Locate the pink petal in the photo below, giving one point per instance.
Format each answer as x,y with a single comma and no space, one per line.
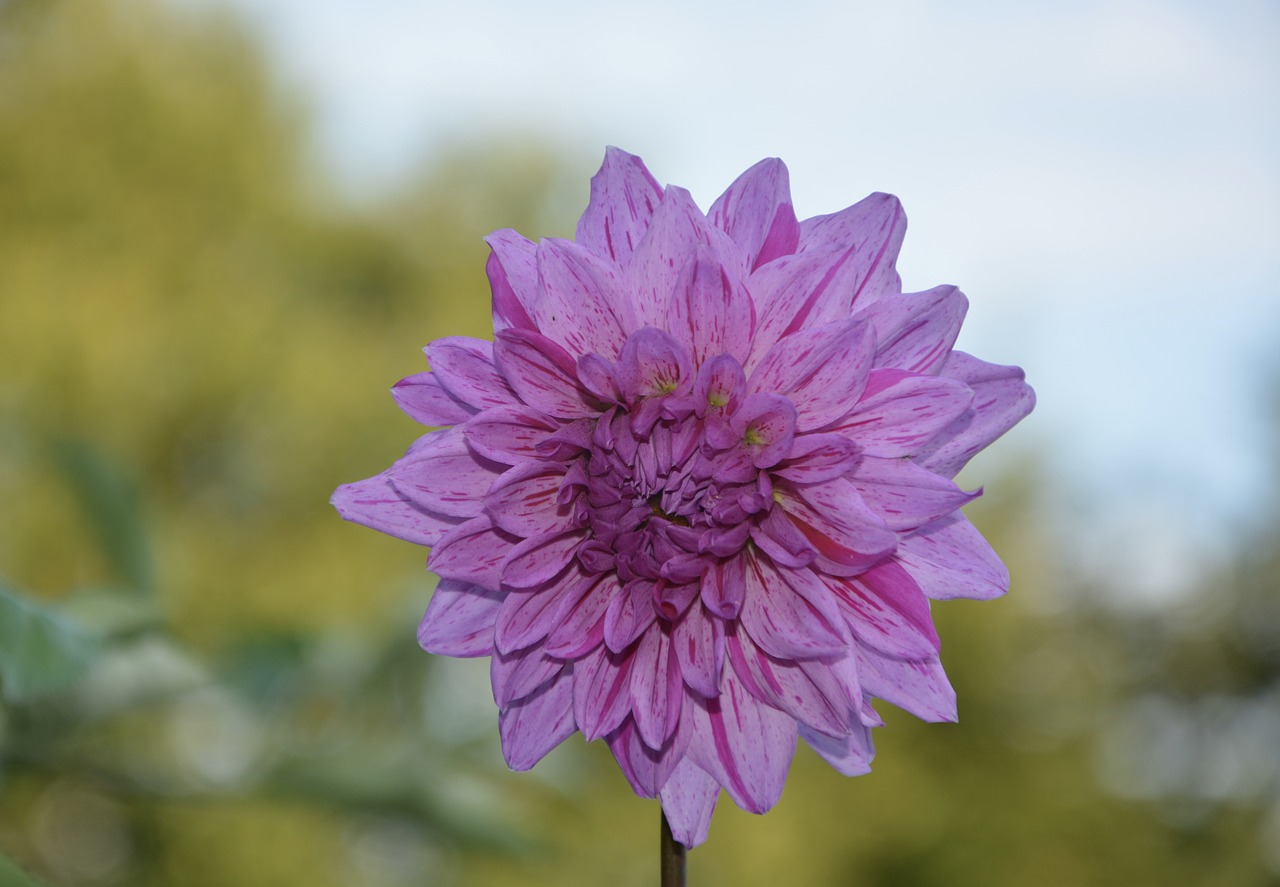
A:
815,458
743,744
789,613
542,374
915,331
509,434
536,724
459,620
698,644
623,197
465,368
678,234
581,627
513,279
601,692
847,535
518,674
657,692
711,311
822,371
424,400
904,494
850,754
473,552
647,769
374,503
524,500
900,418
443,475
724,587
1001,400
800,292
653,364
950,559
688,800
578,295
919,687
539,558
895,621
756,212
817,701
767,425
874,228
527,619
629,615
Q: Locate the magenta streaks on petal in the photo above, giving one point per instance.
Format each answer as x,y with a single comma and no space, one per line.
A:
815,458
542,374
756,212
459,620
905,495
950,559
376,504
444,476
900,418
524,500
653,364
822,371
688,800
465,368
623,197
783,621
601,692
895,625
766,425
539,558
711,311
425,400
629,615
657,690
915,331
919,687
849,755
527,619
724,587
513,279
581,628
578,295
472,552
518,674
509,435
698,644
536,724
874,228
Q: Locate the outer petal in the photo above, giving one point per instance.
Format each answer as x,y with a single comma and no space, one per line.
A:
536,724
950,559
459,620
756,212
744,744
814,698
688,800
579,296
509,434
874,227
849,754
472,552
904,494
375,503
900,412
789,614
657,692
527,619
889,613
542,374
524,500
445,476
920,688
539,558
623,197
1001,400
513,278
425,400
601,692
465,368
915,331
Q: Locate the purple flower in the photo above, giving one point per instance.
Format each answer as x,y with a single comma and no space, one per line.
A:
696,496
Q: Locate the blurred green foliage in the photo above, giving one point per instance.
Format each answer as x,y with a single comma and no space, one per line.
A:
209,679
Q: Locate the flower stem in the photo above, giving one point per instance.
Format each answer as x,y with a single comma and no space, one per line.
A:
672,857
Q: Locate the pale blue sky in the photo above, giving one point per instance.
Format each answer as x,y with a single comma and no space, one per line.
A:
1101,178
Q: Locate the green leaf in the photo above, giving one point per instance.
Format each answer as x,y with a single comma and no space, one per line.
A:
41,652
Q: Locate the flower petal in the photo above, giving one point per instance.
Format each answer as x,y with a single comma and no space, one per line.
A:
915,331
815,458
601,692
513,279
539,558
536,724
657,692
698,644
789,613
688,800
578,295
919,687
465,368
517,674
766,423
906,495
624,195
874,228
647,769
527,619
744,744
444,475
899,418
724,587
524,501
425,400
1001,399
459,620
822,371
950,559
849,754
472,552
756,212
886,609
542,374
653,364
376,504
813,697
509,434
711,312
581,628
847,535
629,615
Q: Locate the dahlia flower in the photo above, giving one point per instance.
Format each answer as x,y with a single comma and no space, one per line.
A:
695,497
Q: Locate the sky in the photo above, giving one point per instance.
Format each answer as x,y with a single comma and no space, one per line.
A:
1100,178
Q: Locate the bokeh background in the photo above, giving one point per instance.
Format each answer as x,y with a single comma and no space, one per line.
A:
227,228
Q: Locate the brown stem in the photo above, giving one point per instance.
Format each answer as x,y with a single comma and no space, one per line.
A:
673,854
